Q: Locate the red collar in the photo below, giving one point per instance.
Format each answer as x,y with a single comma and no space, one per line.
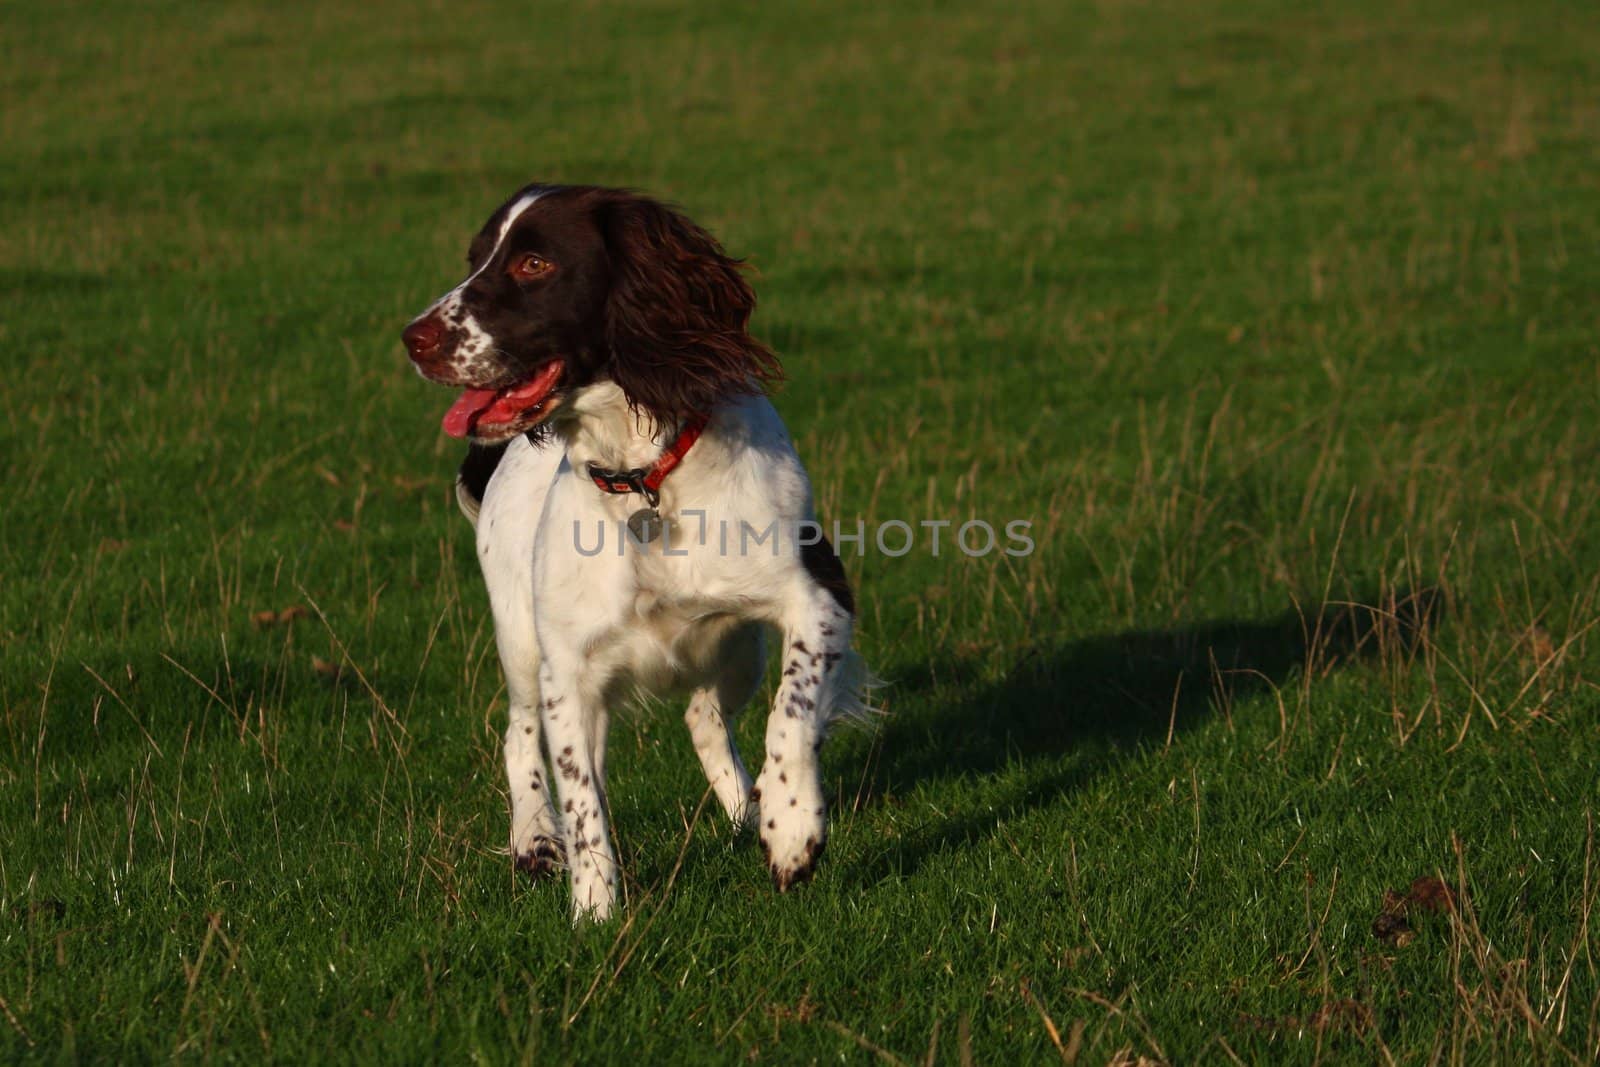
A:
648,482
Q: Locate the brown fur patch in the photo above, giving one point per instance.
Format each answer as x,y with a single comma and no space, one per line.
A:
822,563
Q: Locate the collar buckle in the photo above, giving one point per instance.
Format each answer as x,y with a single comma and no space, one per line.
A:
647,483
632,480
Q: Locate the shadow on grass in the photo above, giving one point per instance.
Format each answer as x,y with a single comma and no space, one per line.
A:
1063,715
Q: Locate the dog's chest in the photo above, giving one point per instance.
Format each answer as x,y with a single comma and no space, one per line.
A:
688,573
668,622
662,644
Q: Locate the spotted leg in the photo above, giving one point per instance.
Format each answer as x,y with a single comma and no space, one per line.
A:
793,815
574,723
506,528
710,720
535,839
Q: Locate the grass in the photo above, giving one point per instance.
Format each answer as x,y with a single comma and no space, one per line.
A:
1277,323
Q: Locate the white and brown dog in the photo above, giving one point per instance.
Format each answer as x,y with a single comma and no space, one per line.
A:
642,518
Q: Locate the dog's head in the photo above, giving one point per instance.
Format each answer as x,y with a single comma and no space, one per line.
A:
568,286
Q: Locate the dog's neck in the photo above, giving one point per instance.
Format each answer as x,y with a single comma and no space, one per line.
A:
598,427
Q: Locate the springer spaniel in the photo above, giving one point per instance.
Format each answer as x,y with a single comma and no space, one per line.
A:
642,518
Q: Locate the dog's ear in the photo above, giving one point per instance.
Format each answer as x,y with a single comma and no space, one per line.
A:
677,315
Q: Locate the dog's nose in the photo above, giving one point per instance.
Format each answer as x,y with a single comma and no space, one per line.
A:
424,338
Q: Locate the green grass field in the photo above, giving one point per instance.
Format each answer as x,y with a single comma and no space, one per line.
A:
1279,325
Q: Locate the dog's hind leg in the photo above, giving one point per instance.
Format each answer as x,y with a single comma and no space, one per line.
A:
710,718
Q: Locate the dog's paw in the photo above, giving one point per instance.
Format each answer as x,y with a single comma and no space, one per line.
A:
543,857
793,831
797,869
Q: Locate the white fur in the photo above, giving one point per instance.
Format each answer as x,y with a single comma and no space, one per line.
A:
471,360
578,632
507,523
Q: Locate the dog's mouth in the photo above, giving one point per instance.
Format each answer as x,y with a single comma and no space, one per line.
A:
492,415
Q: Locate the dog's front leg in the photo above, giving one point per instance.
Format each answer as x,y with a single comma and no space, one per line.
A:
507,526
535,838
794,814
574,721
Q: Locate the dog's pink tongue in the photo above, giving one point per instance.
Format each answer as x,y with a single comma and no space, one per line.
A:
492,408
465,411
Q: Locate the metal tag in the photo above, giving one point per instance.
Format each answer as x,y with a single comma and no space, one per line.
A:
645,525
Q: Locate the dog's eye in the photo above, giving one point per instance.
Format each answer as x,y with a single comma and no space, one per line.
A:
530,267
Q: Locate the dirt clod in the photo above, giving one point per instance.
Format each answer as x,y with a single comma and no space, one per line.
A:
1426,895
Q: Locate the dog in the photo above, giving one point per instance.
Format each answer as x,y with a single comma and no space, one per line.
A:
610,385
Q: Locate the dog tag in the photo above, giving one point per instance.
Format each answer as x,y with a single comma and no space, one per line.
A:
645,525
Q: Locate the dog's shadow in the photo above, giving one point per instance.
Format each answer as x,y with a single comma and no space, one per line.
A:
1098,699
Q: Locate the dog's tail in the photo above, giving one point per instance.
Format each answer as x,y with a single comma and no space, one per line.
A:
472,479
469,504
849,688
